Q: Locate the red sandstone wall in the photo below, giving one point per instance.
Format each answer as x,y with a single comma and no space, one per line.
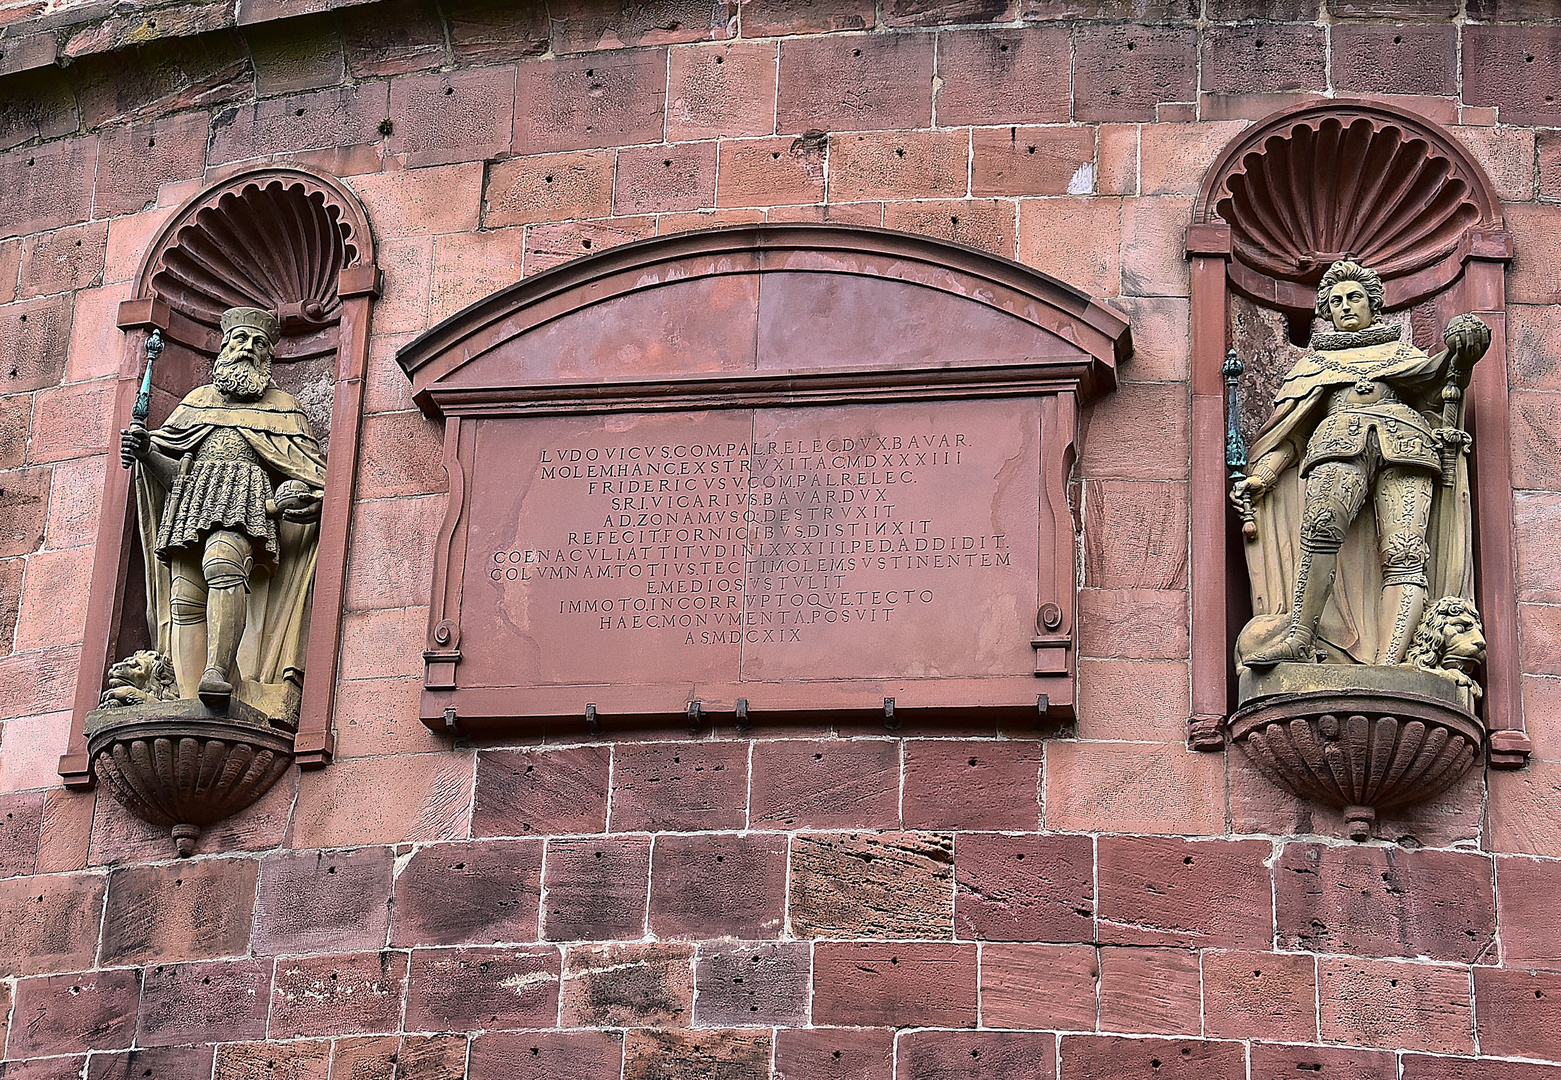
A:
799,903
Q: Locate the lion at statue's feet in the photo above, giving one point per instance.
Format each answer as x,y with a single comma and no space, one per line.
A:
1450,642
141,677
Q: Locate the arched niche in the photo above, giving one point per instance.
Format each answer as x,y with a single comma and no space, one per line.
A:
771,349
1298,190
297,243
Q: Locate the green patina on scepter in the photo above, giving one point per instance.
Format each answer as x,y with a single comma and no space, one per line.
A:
143,404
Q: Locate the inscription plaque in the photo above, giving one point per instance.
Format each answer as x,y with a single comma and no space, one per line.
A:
801,528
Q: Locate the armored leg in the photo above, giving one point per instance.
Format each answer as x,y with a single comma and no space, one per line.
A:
1403,506
1335,492
187,606
227,564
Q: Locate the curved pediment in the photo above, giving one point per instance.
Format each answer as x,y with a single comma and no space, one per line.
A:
769,313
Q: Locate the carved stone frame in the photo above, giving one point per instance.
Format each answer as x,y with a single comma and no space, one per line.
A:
491,339
1471,272
342,329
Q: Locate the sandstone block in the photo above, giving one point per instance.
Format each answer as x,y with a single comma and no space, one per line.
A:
172,1063
1101,1057
462,989
321,901
541,792
968,1055
403,454
415,797
1144,547
548,246
1516,69
899,165
49,185
1123,72
470,893
1061,237
63,260
325,118
21,815
37,332
896,983
384,570
542,1055
1055,160
1273,1062
1024,888
183,911
1039,986
679,786
718,885
342,994
1138,624
971,785
92,1010
834,1054
628,985
1530,922
740,1055
223,1000
485,31
654,178
1004,76
603,99
406,35
778,18
1174,157
1144,788
1134,699
75,492
1533,279
1402,59
1252,995
883,884
1392,1005
582,26
470,266
1418,1067
418,202
743,984
71,421
1169,891
771,172
983,223
453,116
1518,1012
721,88
1153,260
1152,990
597,889
1386,902
305,1060
825,784
24,503
855,83
1267,58
145,156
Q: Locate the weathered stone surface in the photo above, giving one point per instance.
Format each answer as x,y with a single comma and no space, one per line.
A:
721,88
344,994
183,911
884,884
1386,902
718,885
327,118
304,1060
453,117
1153,990
541,792
66,1014
834,1053
1259,995
219,1001
1530,921
654,1055
1142,549
1518,1012
855,83
954,784
542,1055
628,985
1270,1062
607,99
980,70
1039,986
679,786
1123,72
1169,891
825,784
1395,1005
597,889
164,1062
145,156
1103,1057
969,1055
50,185
897,983
1024,888
323,901
745,984
1142,788
472,893
24,503
462,989
37,332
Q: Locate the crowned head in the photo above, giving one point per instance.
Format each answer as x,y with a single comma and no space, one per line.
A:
243,367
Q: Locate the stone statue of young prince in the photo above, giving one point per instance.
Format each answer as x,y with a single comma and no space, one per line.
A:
1359,490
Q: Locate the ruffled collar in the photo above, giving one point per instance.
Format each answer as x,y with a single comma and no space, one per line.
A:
1376,334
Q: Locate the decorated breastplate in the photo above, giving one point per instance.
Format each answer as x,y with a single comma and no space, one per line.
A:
226,444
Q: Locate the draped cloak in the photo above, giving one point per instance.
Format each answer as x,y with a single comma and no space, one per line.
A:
1348,630
276,630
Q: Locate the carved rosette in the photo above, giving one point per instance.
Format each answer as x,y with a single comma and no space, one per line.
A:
1363,751
172,767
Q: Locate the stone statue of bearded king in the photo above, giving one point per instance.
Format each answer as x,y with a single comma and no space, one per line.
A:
1359,490
228,496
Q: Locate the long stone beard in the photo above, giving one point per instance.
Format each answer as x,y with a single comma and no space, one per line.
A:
242,379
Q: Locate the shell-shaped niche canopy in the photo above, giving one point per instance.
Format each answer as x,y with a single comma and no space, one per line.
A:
1345,180
278,243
